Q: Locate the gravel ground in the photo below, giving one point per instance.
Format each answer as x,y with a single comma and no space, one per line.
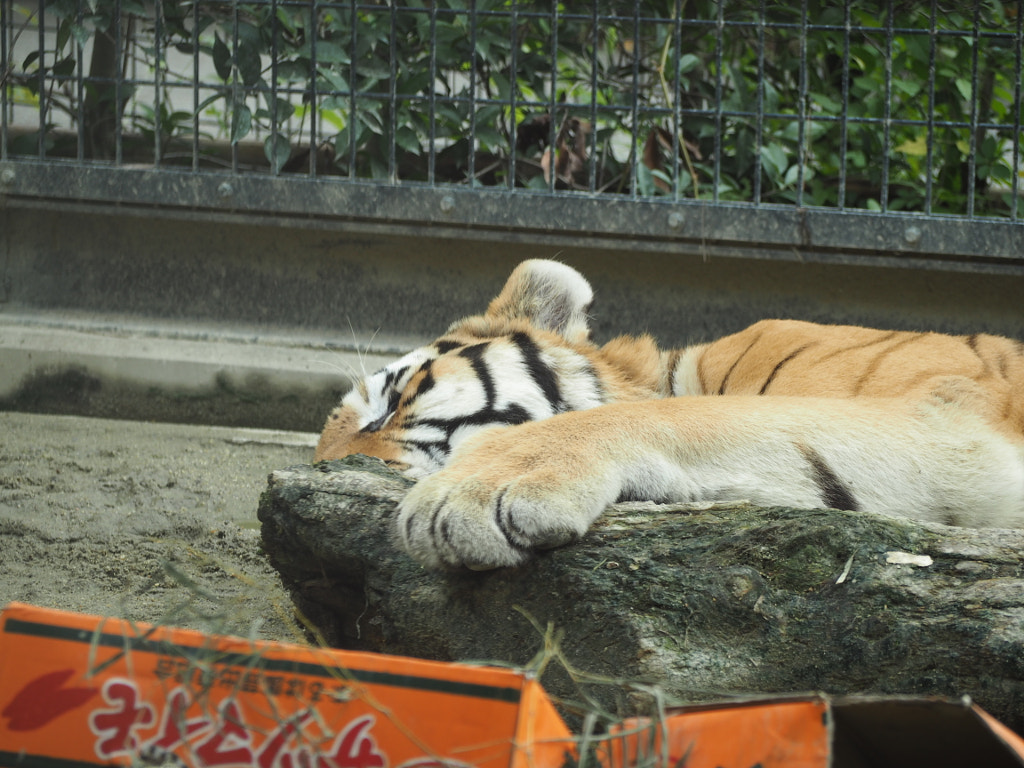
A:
148,522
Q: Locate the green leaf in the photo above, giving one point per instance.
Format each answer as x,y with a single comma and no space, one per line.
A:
342,146
249,34
221,58
827,104
916,147
774,160
366,113
131,6
378,169
333,118
412,83
407,139
332,103
285,20
285,109
296,71
208,101
247,56
537,183
241,123
687,63
331,53
444,112
373,69
64,67
81,34
1000,172
489,137
334,79
909,87
645,181
793,175
278,149
63,33
919,47
63,9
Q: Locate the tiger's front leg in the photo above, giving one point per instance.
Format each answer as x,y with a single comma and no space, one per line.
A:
506,493
510,491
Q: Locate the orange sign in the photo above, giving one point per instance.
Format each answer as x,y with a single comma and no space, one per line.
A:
106,691
816,731
775,735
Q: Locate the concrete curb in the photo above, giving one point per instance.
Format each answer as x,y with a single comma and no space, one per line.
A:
174,372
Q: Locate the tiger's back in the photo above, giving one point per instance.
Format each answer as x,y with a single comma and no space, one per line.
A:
984,373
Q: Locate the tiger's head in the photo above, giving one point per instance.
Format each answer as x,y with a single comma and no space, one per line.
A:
528,357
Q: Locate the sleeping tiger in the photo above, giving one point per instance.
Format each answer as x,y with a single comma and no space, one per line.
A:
521,431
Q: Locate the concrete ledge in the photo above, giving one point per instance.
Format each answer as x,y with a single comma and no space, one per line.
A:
171,316
174,372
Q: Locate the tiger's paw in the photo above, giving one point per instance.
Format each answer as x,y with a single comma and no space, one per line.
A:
498,514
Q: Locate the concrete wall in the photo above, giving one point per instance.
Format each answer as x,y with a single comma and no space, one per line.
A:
105,311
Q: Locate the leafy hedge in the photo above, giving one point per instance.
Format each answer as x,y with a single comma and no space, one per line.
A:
895,106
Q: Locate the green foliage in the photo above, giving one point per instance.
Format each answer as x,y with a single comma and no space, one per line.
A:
691,99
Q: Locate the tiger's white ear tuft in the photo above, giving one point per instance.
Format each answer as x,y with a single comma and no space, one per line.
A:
550,295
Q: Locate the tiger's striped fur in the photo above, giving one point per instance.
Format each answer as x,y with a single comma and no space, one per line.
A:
921,425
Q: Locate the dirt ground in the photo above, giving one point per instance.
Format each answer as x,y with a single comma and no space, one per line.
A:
148,522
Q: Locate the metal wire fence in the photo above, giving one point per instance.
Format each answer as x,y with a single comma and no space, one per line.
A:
879,106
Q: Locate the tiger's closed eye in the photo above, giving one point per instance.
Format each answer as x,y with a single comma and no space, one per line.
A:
378,423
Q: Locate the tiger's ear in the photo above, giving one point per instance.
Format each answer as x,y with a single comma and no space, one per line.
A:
550,295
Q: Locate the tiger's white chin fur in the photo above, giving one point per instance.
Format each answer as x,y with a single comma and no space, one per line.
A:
520,431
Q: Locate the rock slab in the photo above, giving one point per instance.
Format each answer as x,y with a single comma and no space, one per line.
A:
707,602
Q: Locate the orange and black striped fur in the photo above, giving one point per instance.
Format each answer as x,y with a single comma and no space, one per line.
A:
521,431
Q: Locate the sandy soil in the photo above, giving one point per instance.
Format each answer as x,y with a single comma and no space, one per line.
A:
149,522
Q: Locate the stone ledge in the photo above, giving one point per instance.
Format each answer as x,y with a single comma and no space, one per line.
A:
709,602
